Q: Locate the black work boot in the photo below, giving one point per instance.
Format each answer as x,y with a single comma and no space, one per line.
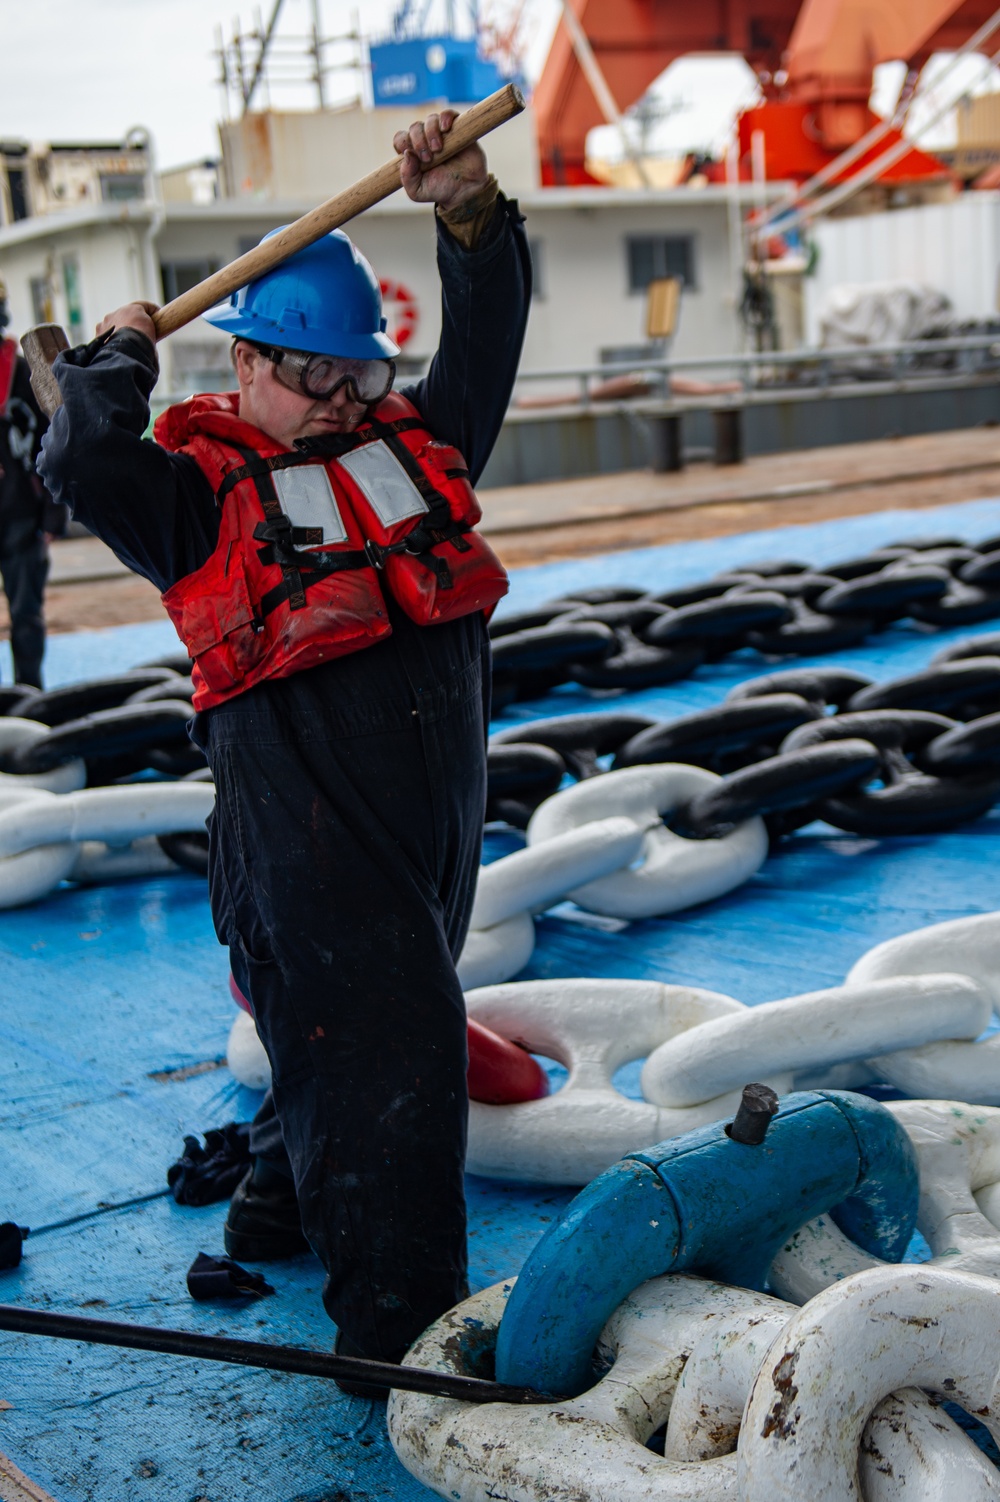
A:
263,1223
343,1346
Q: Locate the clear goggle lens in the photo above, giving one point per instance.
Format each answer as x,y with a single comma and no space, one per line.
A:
321,376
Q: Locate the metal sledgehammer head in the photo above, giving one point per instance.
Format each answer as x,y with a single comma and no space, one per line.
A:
41,345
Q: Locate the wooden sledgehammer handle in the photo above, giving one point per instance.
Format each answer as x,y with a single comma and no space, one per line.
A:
42,344
476,122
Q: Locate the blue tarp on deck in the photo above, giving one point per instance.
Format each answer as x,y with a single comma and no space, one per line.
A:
115,1012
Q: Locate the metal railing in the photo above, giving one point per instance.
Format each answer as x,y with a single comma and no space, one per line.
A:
961,358
780,372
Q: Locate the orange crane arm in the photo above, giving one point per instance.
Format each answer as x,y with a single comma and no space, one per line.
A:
835,45
634,40
827,48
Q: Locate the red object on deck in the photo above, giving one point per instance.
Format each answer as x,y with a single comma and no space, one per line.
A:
501,1073
237,994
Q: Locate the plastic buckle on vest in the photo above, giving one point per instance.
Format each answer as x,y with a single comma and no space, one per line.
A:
377,553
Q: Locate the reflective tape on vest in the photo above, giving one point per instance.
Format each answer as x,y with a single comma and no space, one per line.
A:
306,497
384,483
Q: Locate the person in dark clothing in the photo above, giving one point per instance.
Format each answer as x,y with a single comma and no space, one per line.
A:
29,518
346,838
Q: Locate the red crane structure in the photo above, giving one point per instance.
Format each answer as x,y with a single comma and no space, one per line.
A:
814,60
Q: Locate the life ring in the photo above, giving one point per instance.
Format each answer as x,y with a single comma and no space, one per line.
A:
595,1446
406,313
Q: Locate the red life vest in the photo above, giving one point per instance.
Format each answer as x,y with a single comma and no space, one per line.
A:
8,365
307,535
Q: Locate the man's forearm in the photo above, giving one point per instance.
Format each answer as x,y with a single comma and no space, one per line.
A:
157,514
486,294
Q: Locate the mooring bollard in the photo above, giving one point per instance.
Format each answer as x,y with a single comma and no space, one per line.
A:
730,445
666,454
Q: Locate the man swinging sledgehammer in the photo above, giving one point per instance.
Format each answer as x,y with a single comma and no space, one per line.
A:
312,536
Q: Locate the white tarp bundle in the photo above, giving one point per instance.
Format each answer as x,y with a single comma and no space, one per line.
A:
882,313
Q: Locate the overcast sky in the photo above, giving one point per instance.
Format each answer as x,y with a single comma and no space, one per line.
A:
78,69
91,69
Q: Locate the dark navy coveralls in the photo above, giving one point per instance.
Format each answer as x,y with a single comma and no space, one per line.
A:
346,837
27,512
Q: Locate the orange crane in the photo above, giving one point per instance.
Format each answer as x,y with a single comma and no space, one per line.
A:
813,58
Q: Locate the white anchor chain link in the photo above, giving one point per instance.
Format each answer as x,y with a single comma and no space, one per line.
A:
14,733
958,1152
701,1047
604,845
91,835
761,1402
912,1011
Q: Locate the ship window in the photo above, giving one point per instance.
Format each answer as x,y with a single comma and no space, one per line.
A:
122,187
651,257
18,193
181,276
41,299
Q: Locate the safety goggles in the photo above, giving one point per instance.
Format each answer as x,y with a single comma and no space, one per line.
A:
322,376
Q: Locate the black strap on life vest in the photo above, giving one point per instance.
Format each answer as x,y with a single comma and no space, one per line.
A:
437,526
281,540
304,578
258,467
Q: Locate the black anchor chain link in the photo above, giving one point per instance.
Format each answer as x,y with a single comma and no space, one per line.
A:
913,755
628,638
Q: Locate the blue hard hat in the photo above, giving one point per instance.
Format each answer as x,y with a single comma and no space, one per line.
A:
324,299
